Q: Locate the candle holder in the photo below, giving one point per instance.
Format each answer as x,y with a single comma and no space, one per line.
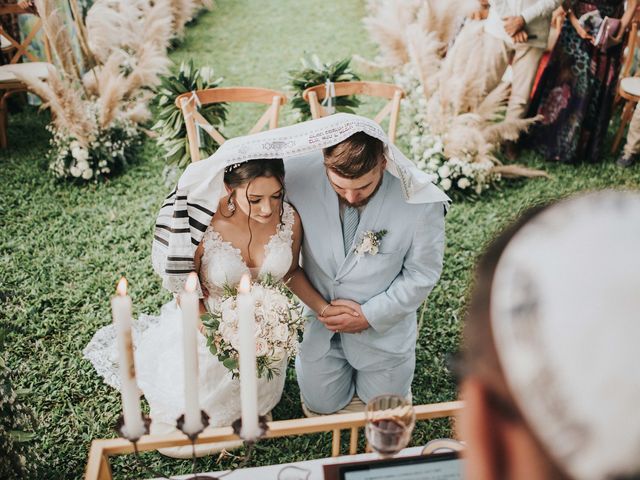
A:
204,421
262,424
122,431
237,429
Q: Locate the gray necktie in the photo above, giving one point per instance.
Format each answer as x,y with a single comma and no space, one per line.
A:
350,220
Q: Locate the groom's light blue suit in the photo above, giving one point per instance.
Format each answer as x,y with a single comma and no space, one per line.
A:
389,286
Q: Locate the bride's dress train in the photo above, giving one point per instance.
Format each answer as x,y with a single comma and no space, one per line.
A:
158,345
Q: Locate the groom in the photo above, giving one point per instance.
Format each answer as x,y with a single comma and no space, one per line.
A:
346,199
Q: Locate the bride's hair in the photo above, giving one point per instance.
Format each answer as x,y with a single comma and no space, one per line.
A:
244,173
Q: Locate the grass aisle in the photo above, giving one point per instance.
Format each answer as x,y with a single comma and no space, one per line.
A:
64,247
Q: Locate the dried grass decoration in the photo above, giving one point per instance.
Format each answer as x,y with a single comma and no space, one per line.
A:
455,126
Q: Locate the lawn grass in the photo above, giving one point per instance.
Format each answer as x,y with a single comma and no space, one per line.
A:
64,246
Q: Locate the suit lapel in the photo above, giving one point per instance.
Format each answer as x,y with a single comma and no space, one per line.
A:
368,221
334,225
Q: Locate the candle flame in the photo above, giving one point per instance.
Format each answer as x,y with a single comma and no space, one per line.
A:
245,284
121,289
192,282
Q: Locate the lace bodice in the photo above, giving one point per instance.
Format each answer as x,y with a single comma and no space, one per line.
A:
222,263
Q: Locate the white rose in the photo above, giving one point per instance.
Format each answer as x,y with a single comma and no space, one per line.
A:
444,171
282,333
75,171
87,174
438,146
83,165
262,347
373,250
445,184
464,183
467,170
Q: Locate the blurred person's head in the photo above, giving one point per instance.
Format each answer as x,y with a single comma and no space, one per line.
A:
550,370
355,168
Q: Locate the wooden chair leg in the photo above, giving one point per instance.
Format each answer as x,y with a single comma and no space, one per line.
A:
627,112
3,121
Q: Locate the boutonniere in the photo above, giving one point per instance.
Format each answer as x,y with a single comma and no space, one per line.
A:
370,243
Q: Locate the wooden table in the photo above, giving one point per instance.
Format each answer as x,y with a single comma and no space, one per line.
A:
314,467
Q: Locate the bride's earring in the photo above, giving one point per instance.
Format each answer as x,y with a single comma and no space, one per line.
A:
230,205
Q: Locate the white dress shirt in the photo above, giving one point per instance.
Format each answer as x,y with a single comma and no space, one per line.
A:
536,14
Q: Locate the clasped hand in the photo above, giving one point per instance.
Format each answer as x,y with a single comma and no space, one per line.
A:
344,316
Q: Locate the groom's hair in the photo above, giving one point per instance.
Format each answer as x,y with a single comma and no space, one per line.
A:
355,156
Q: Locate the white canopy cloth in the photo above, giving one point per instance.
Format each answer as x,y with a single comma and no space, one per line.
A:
565,306
187,211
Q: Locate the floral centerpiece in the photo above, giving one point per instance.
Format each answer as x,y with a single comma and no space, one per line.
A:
98,156
278,322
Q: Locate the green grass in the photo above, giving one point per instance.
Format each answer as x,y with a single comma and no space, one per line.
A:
63,247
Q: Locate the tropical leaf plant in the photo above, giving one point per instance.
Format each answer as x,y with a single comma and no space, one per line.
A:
170,126
315,72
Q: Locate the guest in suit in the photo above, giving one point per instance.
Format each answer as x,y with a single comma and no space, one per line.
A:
516,32
366,247
631,149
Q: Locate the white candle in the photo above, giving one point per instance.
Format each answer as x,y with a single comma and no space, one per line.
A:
189,304
248,373
121,310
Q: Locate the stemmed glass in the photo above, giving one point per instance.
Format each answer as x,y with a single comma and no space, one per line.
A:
389,422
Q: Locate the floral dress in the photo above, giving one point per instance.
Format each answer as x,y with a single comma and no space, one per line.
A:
576,91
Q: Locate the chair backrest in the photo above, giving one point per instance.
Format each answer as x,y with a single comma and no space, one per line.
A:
21,48
314,96
190,101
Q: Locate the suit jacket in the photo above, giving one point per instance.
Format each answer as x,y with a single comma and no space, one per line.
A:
390,286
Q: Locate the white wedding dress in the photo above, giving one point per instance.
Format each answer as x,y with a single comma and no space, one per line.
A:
158,340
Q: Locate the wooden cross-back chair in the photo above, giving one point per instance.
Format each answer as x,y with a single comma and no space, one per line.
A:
9,82
189,103
628,89
316,94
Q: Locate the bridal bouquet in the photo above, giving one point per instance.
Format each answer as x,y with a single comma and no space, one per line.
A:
278,322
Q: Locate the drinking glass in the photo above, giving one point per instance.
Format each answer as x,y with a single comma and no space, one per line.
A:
389,422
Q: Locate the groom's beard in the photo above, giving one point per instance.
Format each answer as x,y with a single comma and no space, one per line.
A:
363,202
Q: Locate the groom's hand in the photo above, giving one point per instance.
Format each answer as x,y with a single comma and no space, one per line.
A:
346,322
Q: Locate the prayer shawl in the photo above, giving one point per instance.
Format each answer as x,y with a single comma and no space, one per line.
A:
187,211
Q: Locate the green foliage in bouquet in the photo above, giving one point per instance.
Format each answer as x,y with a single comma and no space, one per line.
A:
279,322
15,422
170,122
314,72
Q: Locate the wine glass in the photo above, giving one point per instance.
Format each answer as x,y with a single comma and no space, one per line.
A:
389,422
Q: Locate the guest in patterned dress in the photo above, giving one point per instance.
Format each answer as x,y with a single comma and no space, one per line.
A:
576,91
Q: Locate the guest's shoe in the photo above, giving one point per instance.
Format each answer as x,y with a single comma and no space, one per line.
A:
626,160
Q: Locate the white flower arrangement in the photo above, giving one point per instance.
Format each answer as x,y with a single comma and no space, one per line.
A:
370,243
278,323
462,173
105,152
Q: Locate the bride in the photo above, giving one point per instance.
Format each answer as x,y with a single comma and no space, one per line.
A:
253,230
